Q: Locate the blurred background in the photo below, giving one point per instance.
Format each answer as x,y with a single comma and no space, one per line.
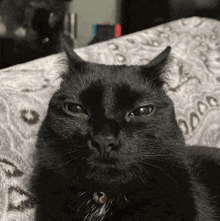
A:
31,29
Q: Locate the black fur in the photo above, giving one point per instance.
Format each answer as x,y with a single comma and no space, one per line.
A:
107,144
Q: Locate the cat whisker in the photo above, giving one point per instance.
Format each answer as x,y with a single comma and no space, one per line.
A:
74,84
80,152
164,172
74,151
143,179
136,173
92,208
156,154
81,206
70,147
81,194
68,162
86,216
107,207
126,199
162,155
84,158
153,79
55,87
88,202
57,78
165,159
82,81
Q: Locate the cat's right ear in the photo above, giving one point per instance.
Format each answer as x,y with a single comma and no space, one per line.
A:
73,59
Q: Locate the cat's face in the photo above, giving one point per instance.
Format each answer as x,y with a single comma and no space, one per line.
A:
107,123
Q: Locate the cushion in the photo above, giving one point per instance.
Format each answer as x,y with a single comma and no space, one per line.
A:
25,90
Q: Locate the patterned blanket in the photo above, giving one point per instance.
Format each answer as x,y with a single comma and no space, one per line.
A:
193,84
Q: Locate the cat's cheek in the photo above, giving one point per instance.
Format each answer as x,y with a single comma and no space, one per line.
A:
66,127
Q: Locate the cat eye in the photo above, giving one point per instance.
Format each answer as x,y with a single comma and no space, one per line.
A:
74,109
141,111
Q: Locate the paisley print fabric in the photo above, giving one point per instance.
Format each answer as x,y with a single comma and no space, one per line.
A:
193,75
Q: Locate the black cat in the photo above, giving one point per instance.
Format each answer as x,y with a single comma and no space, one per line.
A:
110,149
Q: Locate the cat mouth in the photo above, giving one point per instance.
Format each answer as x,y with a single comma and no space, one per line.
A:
106,162
107,173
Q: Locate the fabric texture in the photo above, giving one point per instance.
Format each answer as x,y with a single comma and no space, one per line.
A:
193,84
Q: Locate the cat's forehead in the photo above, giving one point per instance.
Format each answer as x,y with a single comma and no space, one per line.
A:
113,76
113,86
99,94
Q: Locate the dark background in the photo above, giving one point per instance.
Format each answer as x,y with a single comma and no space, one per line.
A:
42,39
137,15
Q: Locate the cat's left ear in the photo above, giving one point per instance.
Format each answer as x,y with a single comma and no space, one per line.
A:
153,70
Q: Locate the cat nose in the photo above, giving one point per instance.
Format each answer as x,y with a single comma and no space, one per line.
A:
104,144
106,140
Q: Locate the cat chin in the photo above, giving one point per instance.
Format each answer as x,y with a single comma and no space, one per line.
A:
109,180
116,188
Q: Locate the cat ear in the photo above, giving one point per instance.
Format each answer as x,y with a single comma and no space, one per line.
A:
160,59
153,70
74,61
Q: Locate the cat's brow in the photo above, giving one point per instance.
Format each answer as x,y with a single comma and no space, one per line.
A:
126,97
92,95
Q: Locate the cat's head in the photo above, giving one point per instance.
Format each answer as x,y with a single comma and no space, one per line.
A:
106,124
